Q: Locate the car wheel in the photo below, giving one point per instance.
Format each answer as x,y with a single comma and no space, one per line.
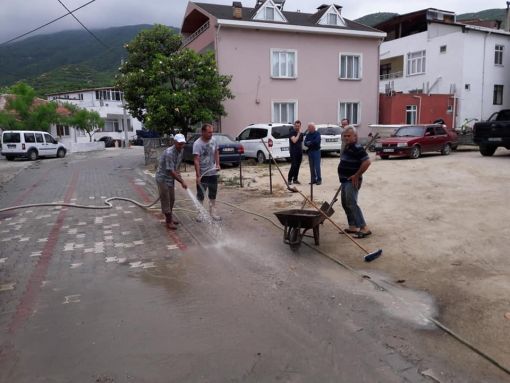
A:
61,153
261,158
10,158
415,152
487,150
32,155
447,149
384,157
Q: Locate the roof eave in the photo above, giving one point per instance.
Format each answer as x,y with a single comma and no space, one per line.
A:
302,29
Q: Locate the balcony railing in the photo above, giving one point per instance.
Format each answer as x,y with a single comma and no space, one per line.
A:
389,76
195,34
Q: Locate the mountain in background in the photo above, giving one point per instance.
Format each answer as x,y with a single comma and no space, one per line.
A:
73,60
67,60
489,14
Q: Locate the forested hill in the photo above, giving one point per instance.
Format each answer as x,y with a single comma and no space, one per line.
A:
66,60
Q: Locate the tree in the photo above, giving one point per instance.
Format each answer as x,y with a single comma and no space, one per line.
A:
167,87
24,112
86,120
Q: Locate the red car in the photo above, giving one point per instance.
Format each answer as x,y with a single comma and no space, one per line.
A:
413,140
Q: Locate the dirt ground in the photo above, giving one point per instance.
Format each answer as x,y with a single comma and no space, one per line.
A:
442,222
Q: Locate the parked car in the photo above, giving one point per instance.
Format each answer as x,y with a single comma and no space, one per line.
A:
331,138
493,133
231,152
275,136
31,145
413,140
108,141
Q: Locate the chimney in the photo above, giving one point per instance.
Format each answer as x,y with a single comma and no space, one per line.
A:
237,9
279,4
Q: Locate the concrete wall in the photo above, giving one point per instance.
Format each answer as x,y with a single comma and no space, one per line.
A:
84,147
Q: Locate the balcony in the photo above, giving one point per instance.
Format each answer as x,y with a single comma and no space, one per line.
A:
195,34
391,76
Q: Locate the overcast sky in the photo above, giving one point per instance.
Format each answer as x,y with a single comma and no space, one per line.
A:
20,16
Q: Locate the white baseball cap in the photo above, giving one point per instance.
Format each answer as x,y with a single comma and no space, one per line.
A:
180,138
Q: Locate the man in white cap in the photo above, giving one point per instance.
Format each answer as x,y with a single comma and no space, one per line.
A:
167,173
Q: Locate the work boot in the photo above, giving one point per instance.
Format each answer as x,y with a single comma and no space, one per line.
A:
169,218
171,226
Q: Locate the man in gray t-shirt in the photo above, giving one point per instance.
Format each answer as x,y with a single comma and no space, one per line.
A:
168,171
206,157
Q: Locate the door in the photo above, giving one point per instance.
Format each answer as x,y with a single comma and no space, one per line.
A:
441,137
50,146
429,143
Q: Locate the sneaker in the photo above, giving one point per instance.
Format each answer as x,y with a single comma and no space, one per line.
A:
290,182
318,183
297,182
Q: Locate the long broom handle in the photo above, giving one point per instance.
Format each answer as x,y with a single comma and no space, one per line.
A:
313,204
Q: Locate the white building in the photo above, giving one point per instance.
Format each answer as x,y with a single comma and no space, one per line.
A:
428,51
108,103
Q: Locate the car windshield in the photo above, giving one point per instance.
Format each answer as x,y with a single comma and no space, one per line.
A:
281,131
410,131
330,131
223,139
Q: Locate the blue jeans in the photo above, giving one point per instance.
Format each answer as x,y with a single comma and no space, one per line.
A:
314,158
349,197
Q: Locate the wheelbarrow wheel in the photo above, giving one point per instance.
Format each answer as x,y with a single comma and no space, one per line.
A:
294,239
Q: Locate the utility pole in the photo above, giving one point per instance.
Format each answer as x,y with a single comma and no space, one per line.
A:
124,122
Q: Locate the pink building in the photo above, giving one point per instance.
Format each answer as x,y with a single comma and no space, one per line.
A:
285,65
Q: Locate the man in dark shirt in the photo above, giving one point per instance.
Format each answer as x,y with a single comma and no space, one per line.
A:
296,152
354,162
313,143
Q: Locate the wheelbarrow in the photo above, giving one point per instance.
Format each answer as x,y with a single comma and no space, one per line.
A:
297,222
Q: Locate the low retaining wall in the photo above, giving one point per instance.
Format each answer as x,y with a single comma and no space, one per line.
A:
79,147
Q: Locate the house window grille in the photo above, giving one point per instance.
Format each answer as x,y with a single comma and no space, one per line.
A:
284,112
350,67
411,114
269,13
350,111
442,49
283,64
415,63
62,130
332,19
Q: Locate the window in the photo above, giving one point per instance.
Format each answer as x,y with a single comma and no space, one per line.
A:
11,138
349,110
284,112
269,13
467,86
283,63
29,138
440,131
442,49
111,126
498,95
415,63
62,130
39,138
332,19
49,139
498,55
411,114
350,67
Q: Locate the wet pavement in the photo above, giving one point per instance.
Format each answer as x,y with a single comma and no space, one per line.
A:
112,296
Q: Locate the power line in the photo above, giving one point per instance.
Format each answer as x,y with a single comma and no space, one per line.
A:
45,25
88,30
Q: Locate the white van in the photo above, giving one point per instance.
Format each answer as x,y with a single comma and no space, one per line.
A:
30,144
275,136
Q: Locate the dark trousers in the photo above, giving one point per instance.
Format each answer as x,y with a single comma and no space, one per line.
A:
314,158
295,163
